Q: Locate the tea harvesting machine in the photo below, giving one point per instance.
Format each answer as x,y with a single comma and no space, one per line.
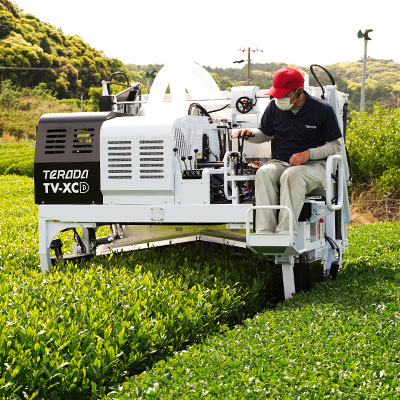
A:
161,169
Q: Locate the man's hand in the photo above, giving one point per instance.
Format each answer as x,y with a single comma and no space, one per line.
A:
242,132
300,158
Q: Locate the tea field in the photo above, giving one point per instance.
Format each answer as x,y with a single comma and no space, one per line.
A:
82,329
17,158
341,340
193,321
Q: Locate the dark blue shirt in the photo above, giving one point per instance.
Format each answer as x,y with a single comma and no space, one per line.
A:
313,125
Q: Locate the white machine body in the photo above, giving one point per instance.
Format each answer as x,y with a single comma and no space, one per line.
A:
177,178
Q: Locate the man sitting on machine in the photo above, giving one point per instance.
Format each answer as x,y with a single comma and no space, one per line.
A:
306,132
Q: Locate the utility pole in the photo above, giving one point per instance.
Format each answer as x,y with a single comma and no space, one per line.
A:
249,62
364,36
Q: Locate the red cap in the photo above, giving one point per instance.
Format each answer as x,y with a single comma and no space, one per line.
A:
285,80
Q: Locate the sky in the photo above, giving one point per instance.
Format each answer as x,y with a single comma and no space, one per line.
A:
211,32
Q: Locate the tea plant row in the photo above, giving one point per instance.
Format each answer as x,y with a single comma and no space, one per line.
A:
339,341
82,329
17,158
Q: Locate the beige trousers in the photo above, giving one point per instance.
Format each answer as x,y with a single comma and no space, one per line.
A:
277,182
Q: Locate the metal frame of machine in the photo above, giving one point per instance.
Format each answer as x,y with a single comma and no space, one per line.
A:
159,181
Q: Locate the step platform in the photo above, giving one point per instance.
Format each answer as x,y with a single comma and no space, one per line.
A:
273,244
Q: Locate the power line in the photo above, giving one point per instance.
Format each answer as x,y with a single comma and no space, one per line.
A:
31,68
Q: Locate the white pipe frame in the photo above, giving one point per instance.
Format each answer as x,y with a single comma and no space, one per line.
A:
330,164
234,196
277,207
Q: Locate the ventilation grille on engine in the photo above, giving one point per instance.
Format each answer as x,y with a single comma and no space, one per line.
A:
183,142
151,159
55,141
119,159
83,140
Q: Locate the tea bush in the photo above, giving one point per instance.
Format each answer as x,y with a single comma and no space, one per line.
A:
86,331
373,142
339,341
17,158
80,330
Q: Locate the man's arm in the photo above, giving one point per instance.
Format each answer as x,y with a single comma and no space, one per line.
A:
329,148
258,136
317,153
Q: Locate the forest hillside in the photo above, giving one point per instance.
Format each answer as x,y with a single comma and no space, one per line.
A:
33,52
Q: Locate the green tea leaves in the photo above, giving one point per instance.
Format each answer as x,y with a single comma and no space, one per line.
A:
82,330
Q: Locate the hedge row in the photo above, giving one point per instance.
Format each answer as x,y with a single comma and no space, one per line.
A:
373,141
17,158
339,341
80,330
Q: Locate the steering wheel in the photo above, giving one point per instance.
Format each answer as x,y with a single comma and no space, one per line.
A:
244,104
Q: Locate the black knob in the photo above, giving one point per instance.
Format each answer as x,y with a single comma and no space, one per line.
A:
190,158
183,158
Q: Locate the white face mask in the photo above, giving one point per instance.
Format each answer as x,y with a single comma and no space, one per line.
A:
284,103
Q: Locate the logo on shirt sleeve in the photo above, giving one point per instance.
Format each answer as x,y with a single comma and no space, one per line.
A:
311,126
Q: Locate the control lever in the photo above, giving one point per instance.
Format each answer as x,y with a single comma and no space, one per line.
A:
183,158
241,140
195,159
190,161
175,150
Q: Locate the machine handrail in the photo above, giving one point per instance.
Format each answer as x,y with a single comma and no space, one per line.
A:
330,163
226,191
277,207
234,196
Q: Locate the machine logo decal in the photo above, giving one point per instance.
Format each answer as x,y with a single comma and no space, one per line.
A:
66,174
65,187
68,187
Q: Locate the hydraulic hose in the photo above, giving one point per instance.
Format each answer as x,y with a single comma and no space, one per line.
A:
318,81
109,82
201,109
333,271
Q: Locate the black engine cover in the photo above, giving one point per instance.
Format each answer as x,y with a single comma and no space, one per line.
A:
67,158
